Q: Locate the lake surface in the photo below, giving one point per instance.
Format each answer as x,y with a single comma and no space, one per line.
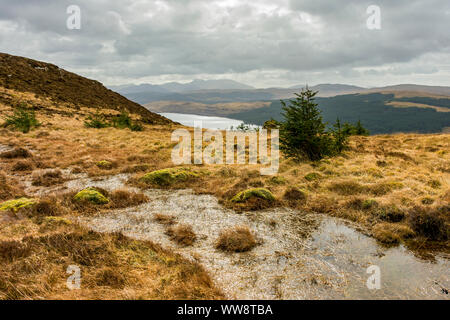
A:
208,122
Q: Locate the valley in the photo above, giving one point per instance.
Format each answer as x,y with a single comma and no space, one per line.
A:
87,187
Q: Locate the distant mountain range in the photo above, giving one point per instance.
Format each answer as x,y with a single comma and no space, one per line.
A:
399,108
229,91
177,87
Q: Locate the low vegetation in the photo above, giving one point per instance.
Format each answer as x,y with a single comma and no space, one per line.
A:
17,204
47,178
167,177
164,219
181,234
238,239
395,187
91,195
125,198
22,119
122,121
112,266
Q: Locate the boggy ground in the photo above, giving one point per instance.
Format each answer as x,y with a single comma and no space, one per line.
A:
395,186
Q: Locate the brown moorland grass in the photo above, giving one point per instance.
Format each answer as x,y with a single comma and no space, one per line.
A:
16,153
181,234
398,182
23,165
375,174
238,239
125,198
112,267
47,178
164,219
9,187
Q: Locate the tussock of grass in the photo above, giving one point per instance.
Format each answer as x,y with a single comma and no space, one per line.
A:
294,196
16,153
17,204
23,165
47,207
105,164
181,234
390,213
125,198
429,223
390,234
164,219
400,155
112,267
110,277
347,188
167,177
9,188
312,176
91,195
252,199
47,178
239,239
11,250
260,193
136,168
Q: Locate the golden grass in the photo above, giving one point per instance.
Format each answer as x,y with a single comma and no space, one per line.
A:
377,173
164,219
398,170
112,267
181,234
238,239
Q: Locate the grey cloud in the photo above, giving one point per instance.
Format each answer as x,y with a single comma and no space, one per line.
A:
135,39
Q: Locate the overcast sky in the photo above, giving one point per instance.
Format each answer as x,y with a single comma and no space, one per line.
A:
259,42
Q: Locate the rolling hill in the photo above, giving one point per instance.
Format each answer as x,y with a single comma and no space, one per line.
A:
48,81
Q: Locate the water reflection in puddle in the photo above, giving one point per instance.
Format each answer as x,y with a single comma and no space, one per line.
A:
301,256
403,276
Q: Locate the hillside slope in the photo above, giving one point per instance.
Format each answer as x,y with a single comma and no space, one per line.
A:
63,87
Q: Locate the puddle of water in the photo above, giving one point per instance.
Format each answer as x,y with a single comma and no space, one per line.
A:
403,276
4,148
77,182
302,256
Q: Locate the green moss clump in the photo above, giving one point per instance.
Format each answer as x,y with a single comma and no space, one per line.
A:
261,193
427,200
17,204
312,176
166,177
104,164
277,180
369,203
53,221
390,213
91,195
435,184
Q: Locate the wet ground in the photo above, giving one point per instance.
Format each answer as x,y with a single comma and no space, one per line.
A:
301,256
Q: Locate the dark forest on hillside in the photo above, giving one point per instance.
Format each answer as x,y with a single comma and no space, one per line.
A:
373,111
